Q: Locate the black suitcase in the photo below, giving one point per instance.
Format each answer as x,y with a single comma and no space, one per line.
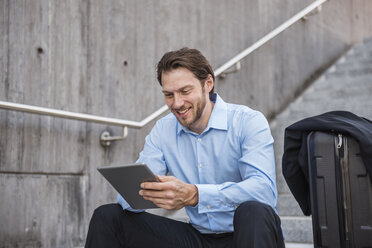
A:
340,191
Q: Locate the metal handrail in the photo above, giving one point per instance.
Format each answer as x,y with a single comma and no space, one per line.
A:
79,116
270,35
105,137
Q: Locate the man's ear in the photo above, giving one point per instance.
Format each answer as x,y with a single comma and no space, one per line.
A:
209,83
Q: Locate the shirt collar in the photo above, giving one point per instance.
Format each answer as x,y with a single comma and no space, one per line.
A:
218,118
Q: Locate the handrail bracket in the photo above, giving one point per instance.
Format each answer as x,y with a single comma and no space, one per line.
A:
314,12
106,137
236,69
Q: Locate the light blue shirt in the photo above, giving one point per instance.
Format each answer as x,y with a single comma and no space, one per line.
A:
231,162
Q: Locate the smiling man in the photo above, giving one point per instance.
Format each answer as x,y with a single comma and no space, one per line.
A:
187,98
221,159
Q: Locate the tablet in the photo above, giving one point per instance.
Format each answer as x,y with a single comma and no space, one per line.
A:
126,179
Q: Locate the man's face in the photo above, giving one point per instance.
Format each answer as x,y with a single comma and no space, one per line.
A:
187,99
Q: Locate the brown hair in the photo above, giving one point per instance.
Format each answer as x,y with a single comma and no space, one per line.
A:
191,59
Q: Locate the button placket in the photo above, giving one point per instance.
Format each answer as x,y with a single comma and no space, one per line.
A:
200,158
198,140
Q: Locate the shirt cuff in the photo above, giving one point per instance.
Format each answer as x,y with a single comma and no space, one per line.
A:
209,200
125,205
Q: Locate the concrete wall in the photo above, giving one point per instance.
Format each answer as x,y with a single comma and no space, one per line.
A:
99,57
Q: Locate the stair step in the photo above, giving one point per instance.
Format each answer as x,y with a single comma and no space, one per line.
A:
282,185
345,94
287,245
297,229
359,51
350,72
364,64
364,61
326,105
288,206
368,41
338,83
299,245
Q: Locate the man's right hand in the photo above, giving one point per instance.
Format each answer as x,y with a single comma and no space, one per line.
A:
170,193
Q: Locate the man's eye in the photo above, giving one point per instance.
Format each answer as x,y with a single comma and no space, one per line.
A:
168,95
185,92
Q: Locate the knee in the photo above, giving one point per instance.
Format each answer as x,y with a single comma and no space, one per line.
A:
258,224
253,207
107,213
253,211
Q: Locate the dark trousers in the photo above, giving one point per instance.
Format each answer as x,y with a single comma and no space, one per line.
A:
255,225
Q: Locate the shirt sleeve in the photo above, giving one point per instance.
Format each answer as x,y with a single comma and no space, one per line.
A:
152,156
256,167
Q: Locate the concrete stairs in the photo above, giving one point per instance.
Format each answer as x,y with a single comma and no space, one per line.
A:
347,85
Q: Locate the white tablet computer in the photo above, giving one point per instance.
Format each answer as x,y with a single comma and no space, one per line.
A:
126,179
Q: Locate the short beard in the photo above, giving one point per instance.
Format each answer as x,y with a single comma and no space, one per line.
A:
199,111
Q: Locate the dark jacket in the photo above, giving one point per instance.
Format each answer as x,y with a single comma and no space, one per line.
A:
294,161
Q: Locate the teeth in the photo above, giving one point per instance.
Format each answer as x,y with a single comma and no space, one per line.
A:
183,111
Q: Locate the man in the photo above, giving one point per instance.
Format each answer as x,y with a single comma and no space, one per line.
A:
221,159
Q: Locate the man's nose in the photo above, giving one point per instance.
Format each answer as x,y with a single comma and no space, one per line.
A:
178,102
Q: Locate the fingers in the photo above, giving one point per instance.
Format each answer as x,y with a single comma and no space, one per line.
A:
157,194
161,202
169,204
162,185
168,194
154,186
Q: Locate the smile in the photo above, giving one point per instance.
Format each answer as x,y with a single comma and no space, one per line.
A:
182,112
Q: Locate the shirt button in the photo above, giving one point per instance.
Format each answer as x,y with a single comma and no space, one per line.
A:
200,165
208,206
199,139
210,216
